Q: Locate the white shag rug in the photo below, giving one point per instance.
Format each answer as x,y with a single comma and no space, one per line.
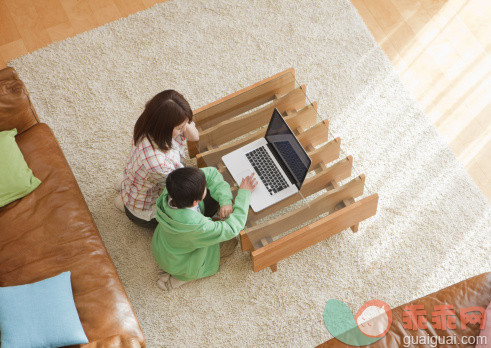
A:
432,226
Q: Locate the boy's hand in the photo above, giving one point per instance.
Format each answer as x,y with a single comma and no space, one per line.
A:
225,211
248,183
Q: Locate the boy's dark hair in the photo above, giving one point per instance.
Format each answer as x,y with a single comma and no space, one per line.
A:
186,185
162,114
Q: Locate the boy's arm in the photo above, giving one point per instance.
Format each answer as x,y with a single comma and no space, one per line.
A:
218,187
215,232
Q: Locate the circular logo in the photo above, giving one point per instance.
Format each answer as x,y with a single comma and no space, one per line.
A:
374,318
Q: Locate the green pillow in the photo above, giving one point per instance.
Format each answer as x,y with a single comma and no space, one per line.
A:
17,179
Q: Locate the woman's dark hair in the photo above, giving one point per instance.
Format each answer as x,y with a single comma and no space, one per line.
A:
186,185
162,114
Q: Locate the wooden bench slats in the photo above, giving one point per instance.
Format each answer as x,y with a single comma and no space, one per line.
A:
304,118
326,153
315,135
312,234
339,171
318,206
238,126
245,99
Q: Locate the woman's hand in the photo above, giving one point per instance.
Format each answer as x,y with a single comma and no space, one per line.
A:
248,183
225,211
190,132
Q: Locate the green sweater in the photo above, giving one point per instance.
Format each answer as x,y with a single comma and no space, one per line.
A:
186,243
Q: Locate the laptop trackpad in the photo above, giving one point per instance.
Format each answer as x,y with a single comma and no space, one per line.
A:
245,173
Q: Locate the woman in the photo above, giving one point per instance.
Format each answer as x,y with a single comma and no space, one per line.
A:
158,148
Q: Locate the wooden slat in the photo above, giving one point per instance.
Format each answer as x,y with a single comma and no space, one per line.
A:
314,233
318,206
302,119
264,242
315,135
193,148
339,171
245,99
200,162
236,127
326,153
247,246
345,203
245,243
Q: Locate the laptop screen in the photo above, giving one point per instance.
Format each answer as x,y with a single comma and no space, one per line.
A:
287,146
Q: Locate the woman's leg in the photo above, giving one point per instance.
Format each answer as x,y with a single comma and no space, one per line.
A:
118,202
118,182
140,222
211,206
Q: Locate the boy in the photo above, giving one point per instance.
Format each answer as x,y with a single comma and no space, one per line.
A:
185,243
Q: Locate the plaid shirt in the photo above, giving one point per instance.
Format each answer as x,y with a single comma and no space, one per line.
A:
145,174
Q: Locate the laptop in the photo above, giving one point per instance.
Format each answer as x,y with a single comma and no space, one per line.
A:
279,161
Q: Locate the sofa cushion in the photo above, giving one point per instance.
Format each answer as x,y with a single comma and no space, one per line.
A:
51,231
469,293
485,334
17,179
40,314
16,110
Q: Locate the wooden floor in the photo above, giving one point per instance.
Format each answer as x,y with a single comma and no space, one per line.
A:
441,49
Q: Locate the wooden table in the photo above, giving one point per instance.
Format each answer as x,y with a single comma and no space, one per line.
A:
323,207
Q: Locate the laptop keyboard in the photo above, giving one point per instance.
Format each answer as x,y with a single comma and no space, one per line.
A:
267,171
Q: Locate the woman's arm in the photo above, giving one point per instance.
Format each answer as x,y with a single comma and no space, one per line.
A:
190,132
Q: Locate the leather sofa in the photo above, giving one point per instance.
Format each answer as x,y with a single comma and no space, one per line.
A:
473,292
51,230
